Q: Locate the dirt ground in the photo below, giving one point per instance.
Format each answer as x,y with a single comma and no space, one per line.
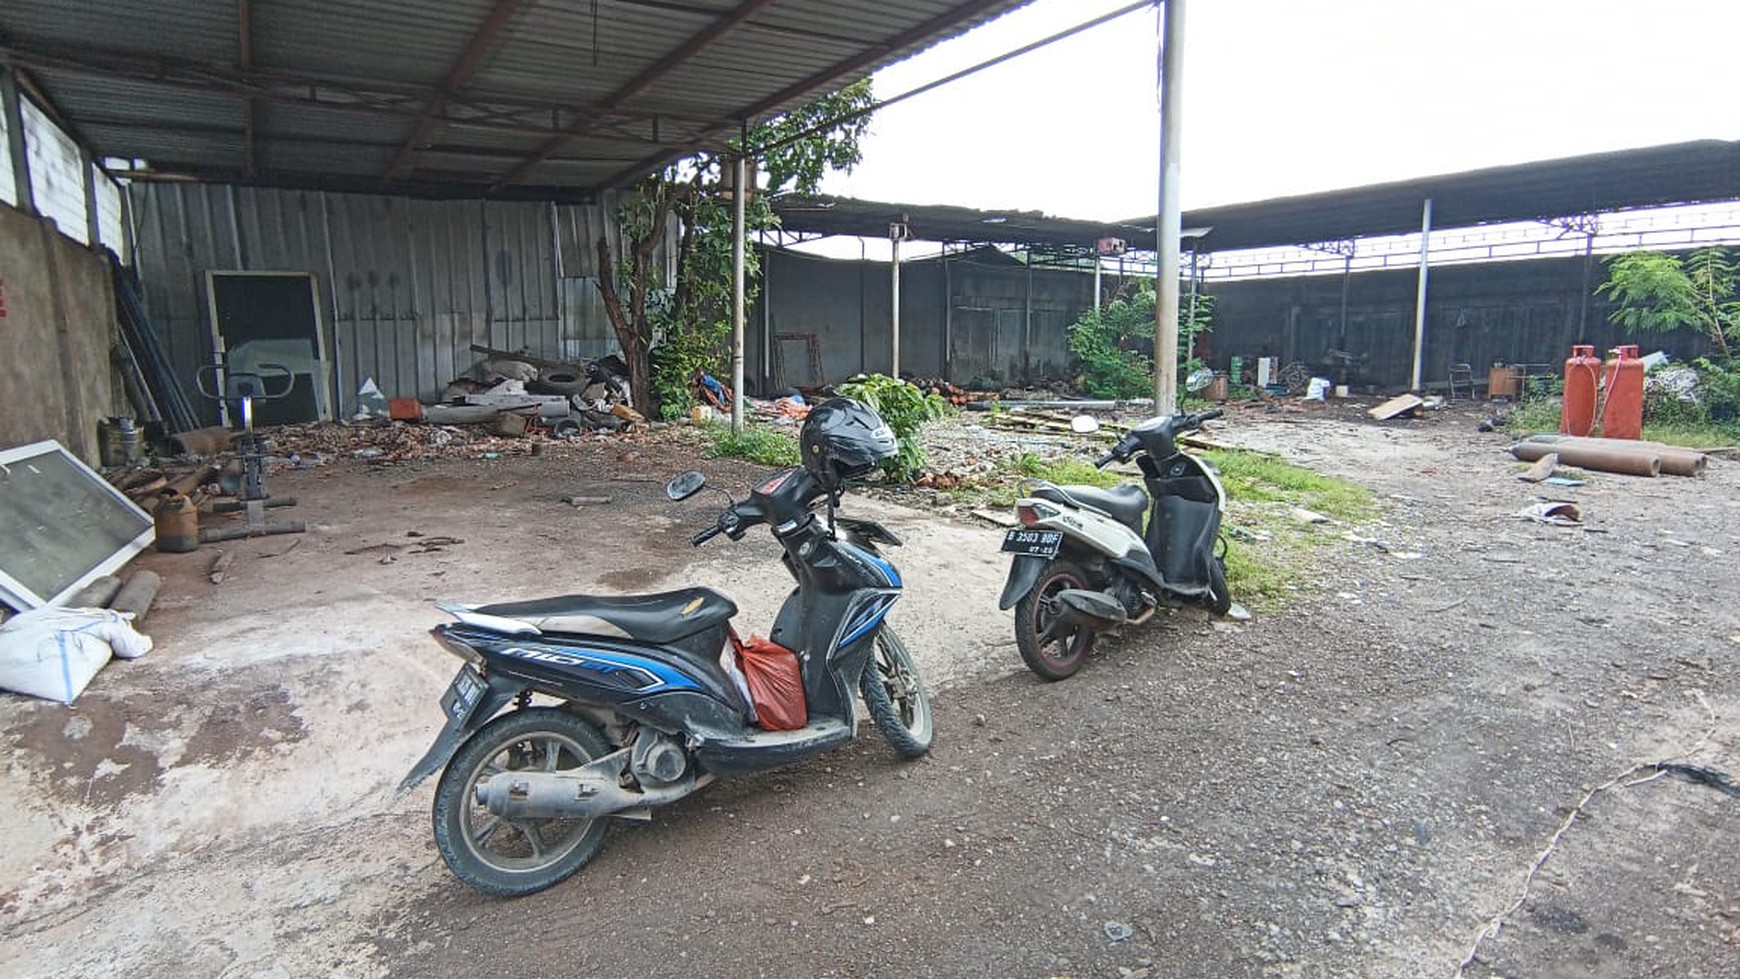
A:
1354,786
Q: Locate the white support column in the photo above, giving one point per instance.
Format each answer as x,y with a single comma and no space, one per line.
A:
739,190
1420,293
1169,224
896,233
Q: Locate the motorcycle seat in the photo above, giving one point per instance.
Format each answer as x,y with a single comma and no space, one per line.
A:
1125,503
664,617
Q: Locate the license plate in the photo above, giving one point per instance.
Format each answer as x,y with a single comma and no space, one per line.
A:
1041,543
463,694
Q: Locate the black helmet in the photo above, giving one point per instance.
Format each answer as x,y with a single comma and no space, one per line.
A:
844,439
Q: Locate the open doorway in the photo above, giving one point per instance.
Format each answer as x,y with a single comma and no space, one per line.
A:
262,318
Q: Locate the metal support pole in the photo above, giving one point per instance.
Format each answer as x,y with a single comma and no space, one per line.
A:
1588,268
1099,266
948,350
1346,280
1420,294
14,110
1190,306
739,190
767,323
895,233
1169,225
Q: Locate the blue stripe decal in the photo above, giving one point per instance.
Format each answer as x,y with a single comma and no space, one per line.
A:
869,618
889,574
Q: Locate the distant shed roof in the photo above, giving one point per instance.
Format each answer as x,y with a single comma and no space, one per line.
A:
516,98
1678,173
942,223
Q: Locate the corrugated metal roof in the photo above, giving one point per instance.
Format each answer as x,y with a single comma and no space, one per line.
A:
354,93
1678,173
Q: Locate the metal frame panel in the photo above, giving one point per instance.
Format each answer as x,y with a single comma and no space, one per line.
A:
20,596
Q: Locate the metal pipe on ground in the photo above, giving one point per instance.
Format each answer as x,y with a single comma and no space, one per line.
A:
137,594
1675,460
1621,461
98,594
212,535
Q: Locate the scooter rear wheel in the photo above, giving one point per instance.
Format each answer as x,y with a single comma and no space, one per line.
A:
1052,649
510,858
895,695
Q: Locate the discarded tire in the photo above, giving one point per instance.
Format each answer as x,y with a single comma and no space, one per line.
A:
563,382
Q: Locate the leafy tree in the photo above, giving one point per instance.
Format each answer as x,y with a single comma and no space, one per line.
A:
1658,293
1115,344
689,323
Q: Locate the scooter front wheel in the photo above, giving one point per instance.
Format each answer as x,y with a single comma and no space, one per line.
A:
1219,595
895,695
510,858
1050,647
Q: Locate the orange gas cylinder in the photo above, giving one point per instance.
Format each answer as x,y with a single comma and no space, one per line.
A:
1582,378
1622,415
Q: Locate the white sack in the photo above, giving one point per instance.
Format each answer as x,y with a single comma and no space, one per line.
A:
53,653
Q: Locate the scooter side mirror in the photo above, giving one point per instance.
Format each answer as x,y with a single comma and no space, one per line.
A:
1084,424
685,485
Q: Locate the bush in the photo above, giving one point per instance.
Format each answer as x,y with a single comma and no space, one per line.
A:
905,408
1114,345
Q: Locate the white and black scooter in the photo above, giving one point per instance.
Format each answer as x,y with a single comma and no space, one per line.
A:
1084,563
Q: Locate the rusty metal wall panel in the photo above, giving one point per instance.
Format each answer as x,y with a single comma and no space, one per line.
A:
406,286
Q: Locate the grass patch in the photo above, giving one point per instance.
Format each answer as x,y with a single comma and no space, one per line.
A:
1693,435
1269,554
1539,415
756,443
1532,417
1251,476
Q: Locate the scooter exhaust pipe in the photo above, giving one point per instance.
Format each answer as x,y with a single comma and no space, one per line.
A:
1092,609
553,795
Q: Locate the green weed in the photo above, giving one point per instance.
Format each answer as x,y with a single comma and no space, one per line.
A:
756,443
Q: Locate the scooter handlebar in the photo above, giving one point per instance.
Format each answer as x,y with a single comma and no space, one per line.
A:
1209,415
706,535
1105,460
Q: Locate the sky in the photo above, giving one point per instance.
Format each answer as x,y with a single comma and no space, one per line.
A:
1292,96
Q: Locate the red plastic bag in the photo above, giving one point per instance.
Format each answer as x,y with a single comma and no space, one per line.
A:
776,684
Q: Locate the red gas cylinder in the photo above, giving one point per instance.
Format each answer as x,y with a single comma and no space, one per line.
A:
1622,415
1582,379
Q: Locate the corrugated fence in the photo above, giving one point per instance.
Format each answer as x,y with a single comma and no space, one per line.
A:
404,286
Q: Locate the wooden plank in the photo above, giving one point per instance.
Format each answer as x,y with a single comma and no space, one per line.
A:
1396,407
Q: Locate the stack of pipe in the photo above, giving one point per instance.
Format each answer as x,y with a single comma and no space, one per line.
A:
1627,456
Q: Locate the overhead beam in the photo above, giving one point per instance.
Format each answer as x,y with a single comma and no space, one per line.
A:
324,91
870,56
459,76
639,83
934,27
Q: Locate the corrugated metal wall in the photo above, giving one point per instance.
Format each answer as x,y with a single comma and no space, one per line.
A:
972,317
406,286
1524,312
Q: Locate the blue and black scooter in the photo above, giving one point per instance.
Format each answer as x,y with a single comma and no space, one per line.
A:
645,710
